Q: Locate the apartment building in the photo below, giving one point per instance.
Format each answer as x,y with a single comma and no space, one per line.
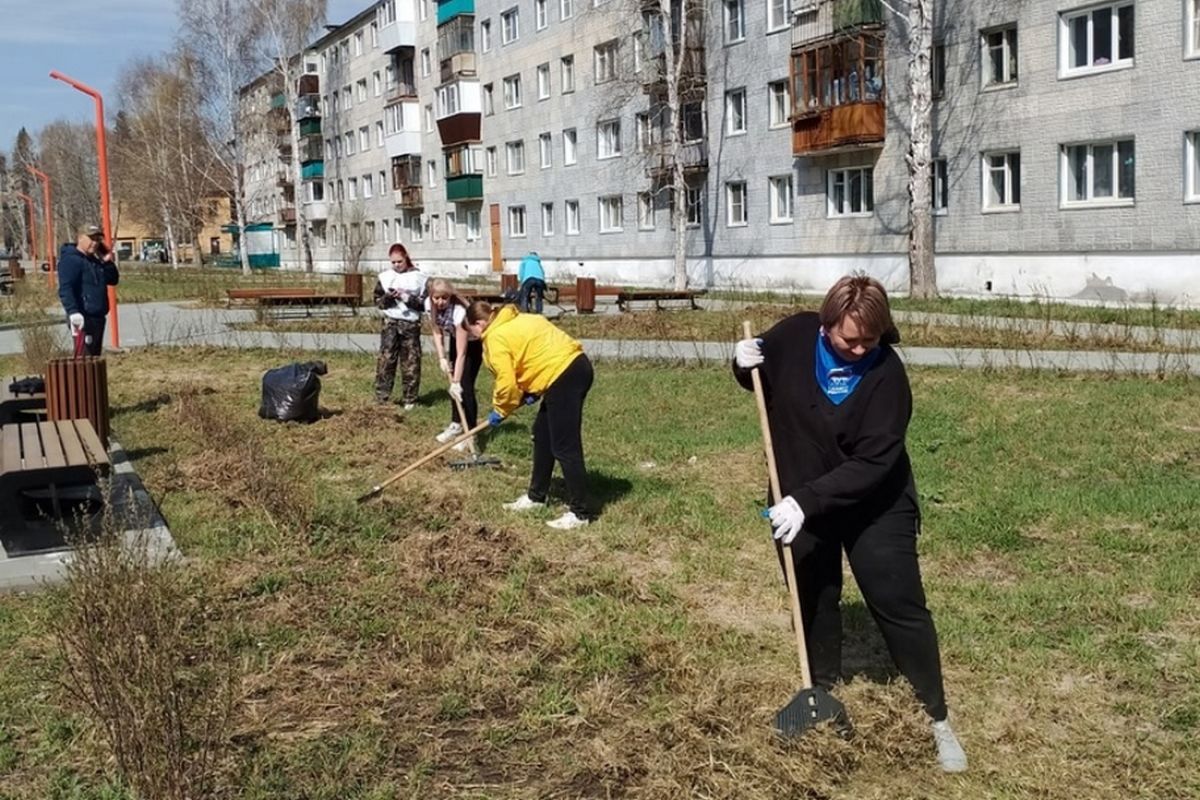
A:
474,131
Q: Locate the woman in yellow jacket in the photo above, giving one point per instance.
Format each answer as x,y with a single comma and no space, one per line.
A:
532,359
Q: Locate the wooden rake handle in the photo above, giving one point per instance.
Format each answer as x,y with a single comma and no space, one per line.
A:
377,490
789,562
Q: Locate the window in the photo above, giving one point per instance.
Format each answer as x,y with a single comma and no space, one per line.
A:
644,138
1192,34
1002,181
374,43
472,225
490,157
777,15
1000,54
851,192
377,83
611,213
735,203
568,74
778,104
347,97
566,9
937,68
608,139
781,198
416,231
429,118
1098,172
545,148
515,157
693,121
383,182
358,44
540,15
423,9
432,174
485,35
939,177
516,221
369,231
547,219
489,102
543,81
1096,39
645,211
435,227
350,144
512,91
364,138
448,100
606,61
393,116
571,208
1192,165
735,112
510,26
368,187
426,63
735,20
352,189
360,91
693,198
570,150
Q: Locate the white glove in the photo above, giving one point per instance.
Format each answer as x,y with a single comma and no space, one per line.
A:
786,518
748,353
76,321
445,365
456,391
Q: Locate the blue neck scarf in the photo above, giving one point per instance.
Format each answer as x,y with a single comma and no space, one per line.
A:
837,377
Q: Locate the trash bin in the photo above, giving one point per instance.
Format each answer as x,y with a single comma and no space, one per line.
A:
77,388
585,295
352,284
508,283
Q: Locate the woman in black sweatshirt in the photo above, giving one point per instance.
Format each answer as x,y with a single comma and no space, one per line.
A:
839,403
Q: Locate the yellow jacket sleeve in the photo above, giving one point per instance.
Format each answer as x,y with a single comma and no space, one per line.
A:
506,394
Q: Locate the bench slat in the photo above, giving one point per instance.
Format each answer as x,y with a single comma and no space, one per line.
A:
68,434
10,448
90,442
51,444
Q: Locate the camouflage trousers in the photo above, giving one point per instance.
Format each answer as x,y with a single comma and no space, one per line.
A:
399,341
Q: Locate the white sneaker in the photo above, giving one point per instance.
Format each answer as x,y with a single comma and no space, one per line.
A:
567,522
462,447
452,431
409,406
950,753
523,503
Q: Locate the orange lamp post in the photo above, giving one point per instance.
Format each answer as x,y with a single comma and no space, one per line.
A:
32,226
45,180
105,211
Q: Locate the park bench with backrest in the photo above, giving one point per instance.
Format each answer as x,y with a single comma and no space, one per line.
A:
16,400
305,296
627,298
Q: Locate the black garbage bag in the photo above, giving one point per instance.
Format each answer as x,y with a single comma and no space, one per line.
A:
292,393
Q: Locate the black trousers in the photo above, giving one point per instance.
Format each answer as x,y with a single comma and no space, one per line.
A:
558,436
93,336
883,558
471,364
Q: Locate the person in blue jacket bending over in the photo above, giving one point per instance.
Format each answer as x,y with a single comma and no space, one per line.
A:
531,282
85,271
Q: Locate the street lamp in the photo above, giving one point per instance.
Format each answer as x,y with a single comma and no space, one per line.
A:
32,226
45,179
105,213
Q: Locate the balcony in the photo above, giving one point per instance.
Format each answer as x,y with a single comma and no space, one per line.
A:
310,127
692,75
823,18
459,112
284,143
311,149
278,101
464,188
309,83
660,161
449,9
409,197
308,107
838,94
287,215
283,178
456,65
399,92
402,143
400,34
316,210
314,170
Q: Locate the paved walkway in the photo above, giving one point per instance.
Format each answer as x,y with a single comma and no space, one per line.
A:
162,324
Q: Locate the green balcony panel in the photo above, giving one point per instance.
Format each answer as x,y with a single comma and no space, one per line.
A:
449,9
849,13
279,100
464,187
315,169
310,127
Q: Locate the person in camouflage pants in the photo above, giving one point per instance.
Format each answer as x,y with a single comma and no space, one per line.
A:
400,343
400,297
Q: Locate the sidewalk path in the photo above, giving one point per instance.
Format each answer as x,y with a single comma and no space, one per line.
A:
161,324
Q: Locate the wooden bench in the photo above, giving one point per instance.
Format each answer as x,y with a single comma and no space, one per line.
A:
286,296
627,298
15,405
37,455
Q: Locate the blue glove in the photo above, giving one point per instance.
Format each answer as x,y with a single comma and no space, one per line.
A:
495,418
529,399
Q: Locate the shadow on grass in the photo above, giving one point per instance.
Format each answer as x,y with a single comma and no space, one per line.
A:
147,406
603,489
864,653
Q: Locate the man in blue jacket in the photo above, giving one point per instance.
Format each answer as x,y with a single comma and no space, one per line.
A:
531,283
85,271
